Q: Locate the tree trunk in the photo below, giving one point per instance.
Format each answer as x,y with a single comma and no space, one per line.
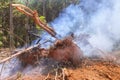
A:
11,27
27,27
44,10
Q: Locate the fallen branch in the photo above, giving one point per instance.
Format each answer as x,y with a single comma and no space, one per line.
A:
18,53
34,15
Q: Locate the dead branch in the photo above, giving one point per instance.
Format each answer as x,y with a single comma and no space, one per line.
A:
46,78
34,15
22,6
18,53
23,11
56,74
63,72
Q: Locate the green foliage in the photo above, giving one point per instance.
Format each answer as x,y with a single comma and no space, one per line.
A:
42,18
1,44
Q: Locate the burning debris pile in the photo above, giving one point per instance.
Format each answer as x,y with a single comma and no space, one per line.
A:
78,48
62,50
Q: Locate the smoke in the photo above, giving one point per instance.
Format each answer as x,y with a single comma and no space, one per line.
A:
9,68
99,19
95,24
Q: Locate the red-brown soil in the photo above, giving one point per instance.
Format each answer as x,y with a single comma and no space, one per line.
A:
89,70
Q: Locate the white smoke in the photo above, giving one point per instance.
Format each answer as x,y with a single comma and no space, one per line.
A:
9,68
97,18
95,24
106,26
